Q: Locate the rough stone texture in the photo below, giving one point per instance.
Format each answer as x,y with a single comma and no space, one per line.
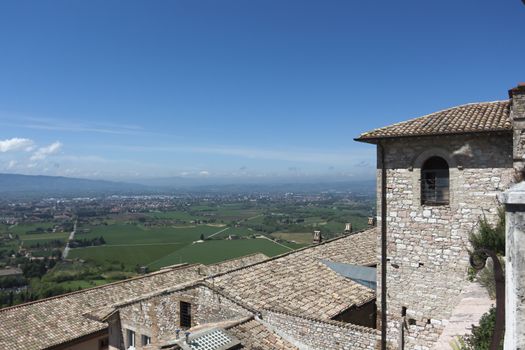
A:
517,116
427,245
158,317
515,268
475,301
312,334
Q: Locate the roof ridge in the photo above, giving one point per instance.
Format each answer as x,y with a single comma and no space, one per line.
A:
98,287
238,258
430,114
332,322
242,321
288,253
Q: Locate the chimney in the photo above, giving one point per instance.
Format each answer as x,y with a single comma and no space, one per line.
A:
348,228
318,238
371,221
517,117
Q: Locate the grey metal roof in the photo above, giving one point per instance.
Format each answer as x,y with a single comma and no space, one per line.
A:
361,274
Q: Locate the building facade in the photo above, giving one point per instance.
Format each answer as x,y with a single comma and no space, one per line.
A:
443,174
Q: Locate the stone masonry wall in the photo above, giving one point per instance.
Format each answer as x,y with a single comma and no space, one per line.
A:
158,317
310,334
427,245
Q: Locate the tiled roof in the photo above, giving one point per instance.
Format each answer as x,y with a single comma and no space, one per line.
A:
249,334
255,336
56,320
469,118
297,282
230,264
300,283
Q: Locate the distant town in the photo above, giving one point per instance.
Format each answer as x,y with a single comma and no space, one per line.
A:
50,246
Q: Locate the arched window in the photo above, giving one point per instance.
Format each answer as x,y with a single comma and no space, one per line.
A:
435,182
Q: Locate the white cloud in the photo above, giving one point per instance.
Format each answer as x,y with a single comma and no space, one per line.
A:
16,144
11,164
44,152
204,173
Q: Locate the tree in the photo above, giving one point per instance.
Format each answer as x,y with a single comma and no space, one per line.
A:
490,242
481,335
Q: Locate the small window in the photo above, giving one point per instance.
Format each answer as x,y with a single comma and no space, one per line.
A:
435,182
103,344
185,314
145,340
130,337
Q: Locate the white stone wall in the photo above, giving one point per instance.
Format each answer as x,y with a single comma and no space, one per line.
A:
159,317
427,245
310,334
515,267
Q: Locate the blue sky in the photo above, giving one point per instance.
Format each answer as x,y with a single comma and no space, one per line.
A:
259,89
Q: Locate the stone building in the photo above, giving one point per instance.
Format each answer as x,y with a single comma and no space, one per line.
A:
298,300
443,173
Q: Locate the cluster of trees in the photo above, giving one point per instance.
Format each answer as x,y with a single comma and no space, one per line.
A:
87,242
48,244
10,298
4,254
37,268
40,230
12,282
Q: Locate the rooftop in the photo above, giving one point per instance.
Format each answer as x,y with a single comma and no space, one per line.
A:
299,282
480,117
56,320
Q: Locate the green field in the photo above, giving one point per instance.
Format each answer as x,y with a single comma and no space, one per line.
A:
299,237
128,255
44,237
218,250
137,234
22,229
133,244
174,215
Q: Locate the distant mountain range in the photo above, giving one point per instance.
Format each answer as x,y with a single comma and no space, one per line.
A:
15,185
28,186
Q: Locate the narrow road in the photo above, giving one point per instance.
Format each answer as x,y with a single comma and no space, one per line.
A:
71,237
216,233
271,240
254,217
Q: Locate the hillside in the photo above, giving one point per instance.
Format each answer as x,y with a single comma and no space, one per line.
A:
15,185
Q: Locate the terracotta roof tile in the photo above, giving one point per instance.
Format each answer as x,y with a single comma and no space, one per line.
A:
469,118
255,336
56,320
300,283
296,282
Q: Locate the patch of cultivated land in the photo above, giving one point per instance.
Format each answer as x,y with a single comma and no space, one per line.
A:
213,251
138,234
44,237
134,244
128,255
23,229
300,237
